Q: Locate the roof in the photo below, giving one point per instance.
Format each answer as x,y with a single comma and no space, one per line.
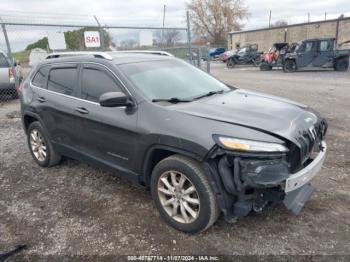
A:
286,26
79,53
125,58
153,52
134,55
103,57
320,38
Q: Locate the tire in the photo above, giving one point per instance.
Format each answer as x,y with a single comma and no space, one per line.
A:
265,67
36,136
230,63
257,62
342,64
289,66
201,201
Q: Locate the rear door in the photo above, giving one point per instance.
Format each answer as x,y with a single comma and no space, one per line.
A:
56,102
325,53
306,53
108,133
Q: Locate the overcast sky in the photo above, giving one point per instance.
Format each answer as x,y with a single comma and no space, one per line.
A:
147,13
150,11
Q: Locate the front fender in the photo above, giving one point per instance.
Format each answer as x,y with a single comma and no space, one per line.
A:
169,146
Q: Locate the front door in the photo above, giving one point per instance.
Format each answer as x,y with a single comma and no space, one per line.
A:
108,133
306,54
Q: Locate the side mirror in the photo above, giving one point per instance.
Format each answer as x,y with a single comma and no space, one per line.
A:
114,99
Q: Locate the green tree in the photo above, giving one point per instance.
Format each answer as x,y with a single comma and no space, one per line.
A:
74,39
41,43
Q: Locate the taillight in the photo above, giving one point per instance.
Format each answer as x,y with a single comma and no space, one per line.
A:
11,73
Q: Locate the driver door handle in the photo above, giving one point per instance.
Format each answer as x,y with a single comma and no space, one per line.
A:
41,99
82,110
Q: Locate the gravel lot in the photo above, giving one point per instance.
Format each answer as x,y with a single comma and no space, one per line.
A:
74,209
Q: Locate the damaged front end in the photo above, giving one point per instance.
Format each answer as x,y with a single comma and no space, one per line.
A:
248,181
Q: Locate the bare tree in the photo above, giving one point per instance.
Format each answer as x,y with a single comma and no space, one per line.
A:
171,37
280,22
213,19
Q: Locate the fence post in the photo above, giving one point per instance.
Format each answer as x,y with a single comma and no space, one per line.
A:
189,36
9,53
102,36
208,58
199,57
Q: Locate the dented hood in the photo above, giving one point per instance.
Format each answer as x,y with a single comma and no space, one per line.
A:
270,114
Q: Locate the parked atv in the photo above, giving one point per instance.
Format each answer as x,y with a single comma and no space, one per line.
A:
275,56
247,55
316,53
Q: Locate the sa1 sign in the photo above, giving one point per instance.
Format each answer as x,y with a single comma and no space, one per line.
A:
92,39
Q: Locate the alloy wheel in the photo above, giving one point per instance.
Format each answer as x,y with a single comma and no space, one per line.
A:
37,144
178,196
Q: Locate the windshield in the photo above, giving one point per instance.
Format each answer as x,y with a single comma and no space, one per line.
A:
166,79
298,46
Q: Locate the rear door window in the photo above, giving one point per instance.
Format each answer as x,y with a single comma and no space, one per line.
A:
39,79
4,61
96,82
63,80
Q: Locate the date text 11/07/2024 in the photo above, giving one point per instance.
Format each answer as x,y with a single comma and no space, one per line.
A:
173,258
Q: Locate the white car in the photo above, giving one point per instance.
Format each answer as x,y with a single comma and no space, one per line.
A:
7,77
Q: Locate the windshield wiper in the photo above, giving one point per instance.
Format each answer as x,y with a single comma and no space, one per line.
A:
173,100
209,94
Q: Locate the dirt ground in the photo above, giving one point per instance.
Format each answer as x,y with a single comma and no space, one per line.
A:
74,209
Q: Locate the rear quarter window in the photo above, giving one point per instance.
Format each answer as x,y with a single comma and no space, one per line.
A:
4,61
39,78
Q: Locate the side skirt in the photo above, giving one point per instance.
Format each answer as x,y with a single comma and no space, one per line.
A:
96,162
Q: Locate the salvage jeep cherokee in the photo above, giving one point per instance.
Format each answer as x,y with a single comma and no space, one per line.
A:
202,147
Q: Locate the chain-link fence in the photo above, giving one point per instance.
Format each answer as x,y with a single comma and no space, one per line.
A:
27,40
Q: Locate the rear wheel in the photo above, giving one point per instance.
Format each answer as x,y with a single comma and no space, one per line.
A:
265,67
289,66
182,194
40,146
230,63
257,61
342,64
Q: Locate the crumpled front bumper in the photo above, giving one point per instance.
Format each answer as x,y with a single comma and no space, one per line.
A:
302,177
297,187
253,182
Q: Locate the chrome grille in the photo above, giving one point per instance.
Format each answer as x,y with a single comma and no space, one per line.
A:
308,140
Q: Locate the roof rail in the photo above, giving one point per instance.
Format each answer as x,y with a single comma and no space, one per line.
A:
79,53
152,52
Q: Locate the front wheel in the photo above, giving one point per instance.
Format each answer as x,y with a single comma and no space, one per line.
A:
182,194
289,66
